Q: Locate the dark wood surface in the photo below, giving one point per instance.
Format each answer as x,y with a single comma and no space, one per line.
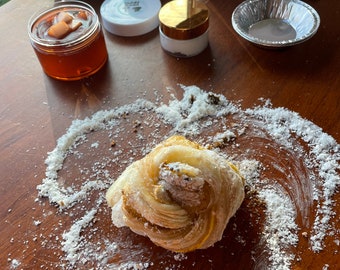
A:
35,110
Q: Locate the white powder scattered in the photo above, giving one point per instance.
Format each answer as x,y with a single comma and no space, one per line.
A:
184,115
95,145
282,124
224,137
180,257
280,228
72,239
37,222
286,159
15,264
65,144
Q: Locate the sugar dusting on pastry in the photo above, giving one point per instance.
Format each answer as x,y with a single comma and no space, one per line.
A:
79,172
196,196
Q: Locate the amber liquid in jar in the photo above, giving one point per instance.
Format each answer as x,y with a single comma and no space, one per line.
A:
75,55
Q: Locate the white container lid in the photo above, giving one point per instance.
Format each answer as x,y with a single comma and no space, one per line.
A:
130,17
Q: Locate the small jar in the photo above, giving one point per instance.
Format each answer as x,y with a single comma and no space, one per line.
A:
130,18
184,26
68,40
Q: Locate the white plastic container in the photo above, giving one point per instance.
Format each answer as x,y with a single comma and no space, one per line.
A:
184,27
130,18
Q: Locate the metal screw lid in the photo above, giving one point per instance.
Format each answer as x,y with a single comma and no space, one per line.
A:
184,19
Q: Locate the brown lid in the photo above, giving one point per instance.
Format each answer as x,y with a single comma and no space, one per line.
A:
184,19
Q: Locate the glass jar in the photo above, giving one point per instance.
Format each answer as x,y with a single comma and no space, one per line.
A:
68,40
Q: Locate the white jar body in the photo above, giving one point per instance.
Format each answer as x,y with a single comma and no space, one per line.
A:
184,48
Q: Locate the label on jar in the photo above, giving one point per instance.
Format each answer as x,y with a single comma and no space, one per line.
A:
130,17
133,5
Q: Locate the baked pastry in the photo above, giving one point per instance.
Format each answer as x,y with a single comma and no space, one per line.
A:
180,195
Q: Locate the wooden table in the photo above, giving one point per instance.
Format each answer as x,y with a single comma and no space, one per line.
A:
35,110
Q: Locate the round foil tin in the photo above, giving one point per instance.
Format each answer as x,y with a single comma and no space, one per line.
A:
276,23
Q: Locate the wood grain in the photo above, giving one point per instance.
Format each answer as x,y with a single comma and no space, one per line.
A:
35,110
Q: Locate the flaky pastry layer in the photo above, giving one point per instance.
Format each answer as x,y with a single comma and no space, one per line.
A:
180,195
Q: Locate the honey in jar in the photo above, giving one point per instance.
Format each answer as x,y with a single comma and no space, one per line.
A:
68,40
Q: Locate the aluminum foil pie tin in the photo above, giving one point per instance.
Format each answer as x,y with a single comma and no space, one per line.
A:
275,23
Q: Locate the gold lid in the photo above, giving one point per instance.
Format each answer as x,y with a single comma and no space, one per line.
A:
184,19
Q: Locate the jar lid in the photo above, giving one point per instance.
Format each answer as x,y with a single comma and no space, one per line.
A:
130,17
184,19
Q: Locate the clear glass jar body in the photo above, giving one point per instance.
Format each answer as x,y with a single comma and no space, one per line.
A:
79,54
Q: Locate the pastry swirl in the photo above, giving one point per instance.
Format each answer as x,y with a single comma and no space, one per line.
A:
180,195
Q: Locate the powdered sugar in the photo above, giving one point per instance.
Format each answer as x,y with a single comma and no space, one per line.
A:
196,104
281,229
72,239
85,162
282,124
